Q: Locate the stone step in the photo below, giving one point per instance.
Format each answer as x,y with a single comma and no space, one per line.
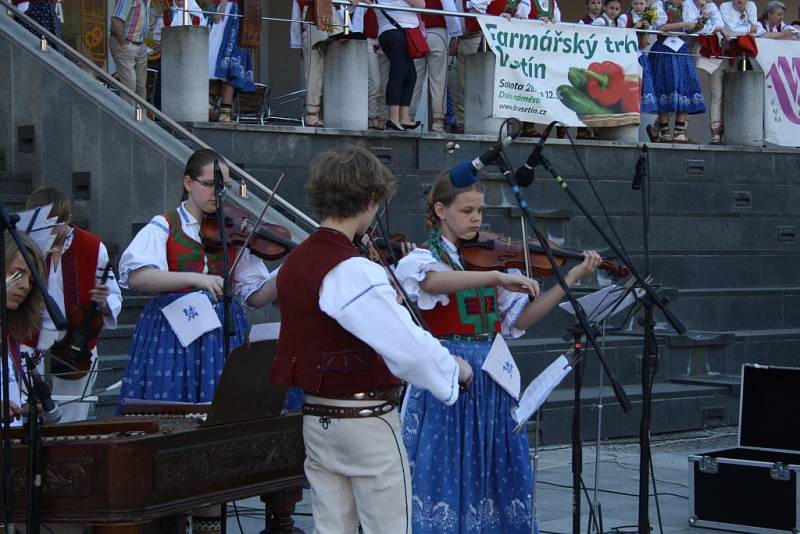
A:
675,408
115,341
132,306
15,184
14,201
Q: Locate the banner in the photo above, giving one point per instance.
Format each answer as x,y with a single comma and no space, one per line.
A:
576,74
780,60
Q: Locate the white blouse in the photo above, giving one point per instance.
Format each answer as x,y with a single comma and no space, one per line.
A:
14,390
414,267
357,295
739,22
149,249
405,19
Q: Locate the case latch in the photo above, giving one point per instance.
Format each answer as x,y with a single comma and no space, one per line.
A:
708,465
780,471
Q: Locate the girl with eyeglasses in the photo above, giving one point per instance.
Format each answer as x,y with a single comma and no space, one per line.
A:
167,259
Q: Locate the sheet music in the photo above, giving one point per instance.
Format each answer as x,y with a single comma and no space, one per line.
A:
39,226
264,332
539,389
604,303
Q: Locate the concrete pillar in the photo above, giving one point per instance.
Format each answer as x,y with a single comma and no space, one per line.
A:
478,95
628,133
184,73
344,87
744,124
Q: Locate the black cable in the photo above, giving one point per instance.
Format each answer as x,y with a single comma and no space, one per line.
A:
236,511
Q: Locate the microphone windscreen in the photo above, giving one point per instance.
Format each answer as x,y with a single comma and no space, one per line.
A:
462,175
524,176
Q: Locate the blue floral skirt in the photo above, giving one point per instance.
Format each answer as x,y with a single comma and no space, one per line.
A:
160,368
470,472
649,101
227,60
675,80
44,13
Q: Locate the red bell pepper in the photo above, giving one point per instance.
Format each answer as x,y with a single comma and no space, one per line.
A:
632,97
606,83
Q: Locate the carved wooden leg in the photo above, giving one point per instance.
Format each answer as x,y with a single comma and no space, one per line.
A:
280,507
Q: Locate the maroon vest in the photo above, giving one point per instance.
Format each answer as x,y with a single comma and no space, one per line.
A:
314,352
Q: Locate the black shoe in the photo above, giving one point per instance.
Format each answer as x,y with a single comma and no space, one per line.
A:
411,126
391,125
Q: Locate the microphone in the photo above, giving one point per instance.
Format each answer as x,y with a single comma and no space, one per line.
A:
51,411
466,173
641,169
525,174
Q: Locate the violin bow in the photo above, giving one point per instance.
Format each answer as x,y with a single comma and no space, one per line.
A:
412,307
255,226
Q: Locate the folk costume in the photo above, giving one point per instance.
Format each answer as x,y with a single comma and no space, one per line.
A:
83,258
545,9
159,366
227,61
362,342
470,471
432,70
675,80
648,102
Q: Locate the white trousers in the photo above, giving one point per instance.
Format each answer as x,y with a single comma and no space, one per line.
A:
314,63
432,68
378,78
358,472
466,46
74,411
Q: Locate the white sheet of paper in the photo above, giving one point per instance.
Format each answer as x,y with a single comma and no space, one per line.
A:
603,303
539,389
264,332
39,226
500,366
191,316
673,43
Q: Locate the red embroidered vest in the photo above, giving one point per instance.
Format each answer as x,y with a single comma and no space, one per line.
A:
495,8
434,21
79,274
535,13
184,254
588,19
314,352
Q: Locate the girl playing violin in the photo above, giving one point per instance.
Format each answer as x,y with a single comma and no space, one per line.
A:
24,308
167,258
469,470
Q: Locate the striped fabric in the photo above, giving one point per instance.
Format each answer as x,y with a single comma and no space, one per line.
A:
135,14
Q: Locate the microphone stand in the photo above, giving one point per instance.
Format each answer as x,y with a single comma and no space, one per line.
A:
649,352
585,327
651,298
8,221
34,480
227,293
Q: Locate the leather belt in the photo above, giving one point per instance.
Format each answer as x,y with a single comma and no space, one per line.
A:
390,395
348,412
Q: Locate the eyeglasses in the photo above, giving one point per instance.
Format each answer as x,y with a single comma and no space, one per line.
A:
211,185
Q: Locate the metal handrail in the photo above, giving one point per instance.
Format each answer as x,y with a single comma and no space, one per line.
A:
144,104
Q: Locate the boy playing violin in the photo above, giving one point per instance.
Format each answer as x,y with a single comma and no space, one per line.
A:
74,266
347,343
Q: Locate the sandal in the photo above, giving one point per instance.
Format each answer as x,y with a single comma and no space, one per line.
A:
312,117
375,123
224,113
653,132
716,133
664,135
212,108
414,126
679,134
